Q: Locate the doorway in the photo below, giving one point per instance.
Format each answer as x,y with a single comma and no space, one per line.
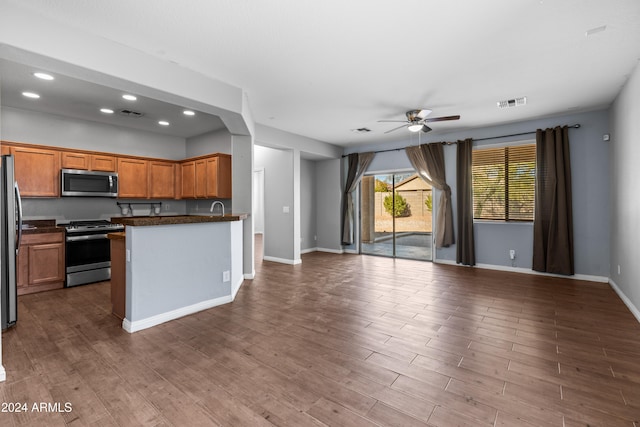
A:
396,216
258,213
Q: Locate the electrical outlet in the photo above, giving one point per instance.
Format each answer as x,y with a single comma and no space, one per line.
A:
166,206
512,253
226,276
618,268
128,255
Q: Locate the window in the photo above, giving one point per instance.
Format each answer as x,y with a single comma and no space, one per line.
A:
504,183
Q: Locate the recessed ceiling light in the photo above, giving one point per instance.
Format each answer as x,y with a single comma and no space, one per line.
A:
106,110
129,97
31,95
43,76
163,123
188,113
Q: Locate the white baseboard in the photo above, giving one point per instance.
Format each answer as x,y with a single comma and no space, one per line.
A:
309,250
235,288
282,260
250,276
331,251
3,374
139,325
350,251
585,277
634,310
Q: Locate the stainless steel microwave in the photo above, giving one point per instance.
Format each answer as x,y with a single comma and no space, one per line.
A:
88,183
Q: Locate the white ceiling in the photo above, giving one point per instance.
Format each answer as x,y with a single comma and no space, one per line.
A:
323,68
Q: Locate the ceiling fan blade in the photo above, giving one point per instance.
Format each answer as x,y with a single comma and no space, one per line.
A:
391,130
423,113
442,119
392,121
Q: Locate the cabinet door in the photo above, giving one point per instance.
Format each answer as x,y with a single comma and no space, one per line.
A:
46,263
72,160
161,180
219,177
188,180
201,178
37,171
132,178
23,269
103,163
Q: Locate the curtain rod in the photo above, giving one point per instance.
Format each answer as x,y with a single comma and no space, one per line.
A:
576,126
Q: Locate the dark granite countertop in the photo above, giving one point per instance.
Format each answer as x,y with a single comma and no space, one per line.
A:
38,226
138,221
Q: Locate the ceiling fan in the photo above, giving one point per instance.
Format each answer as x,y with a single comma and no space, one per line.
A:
417,121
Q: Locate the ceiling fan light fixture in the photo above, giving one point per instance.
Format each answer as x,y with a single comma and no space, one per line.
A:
415,127
425,128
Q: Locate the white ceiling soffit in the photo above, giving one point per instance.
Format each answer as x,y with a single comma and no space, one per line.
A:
323,68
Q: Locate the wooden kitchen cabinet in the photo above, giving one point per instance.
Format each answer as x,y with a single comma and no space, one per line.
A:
201,178
118,274
219,177
162,180
86,161
207,177
132,178
71,160
188,180
103,163
37,171
41,263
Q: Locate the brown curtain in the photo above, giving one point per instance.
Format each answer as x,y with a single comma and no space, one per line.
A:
465,251
428,161
357,165
553,221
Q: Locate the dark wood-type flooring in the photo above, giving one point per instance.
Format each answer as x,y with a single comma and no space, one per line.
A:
340,340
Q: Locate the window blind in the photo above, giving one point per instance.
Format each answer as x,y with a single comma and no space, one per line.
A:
504,183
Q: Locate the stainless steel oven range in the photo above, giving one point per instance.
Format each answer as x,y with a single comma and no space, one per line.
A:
88,251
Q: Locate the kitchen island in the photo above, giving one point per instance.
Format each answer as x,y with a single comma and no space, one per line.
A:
179,265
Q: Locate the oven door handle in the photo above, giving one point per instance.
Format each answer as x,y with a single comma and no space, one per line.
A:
83,238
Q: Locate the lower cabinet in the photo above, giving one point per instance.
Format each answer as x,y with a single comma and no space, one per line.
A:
41,263
118,274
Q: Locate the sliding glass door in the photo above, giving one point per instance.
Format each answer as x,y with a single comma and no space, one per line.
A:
396,213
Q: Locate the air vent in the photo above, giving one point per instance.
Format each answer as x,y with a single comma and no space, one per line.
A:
130,113
516,102
361,130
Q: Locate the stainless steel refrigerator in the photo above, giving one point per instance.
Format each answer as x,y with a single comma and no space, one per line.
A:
11,232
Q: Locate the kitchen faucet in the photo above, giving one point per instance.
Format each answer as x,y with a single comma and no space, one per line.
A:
213,205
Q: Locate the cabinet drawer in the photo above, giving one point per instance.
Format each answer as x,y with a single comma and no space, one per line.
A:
38,238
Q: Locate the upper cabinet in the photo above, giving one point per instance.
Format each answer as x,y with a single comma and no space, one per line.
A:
187,178
37,171
100,162
162,180
219,176
207,177
132,178
86,161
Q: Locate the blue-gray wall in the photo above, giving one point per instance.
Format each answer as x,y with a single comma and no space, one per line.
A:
624,193
590,178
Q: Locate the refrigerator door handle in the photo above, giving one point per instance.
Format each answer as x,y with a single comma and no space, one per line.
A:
19,207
